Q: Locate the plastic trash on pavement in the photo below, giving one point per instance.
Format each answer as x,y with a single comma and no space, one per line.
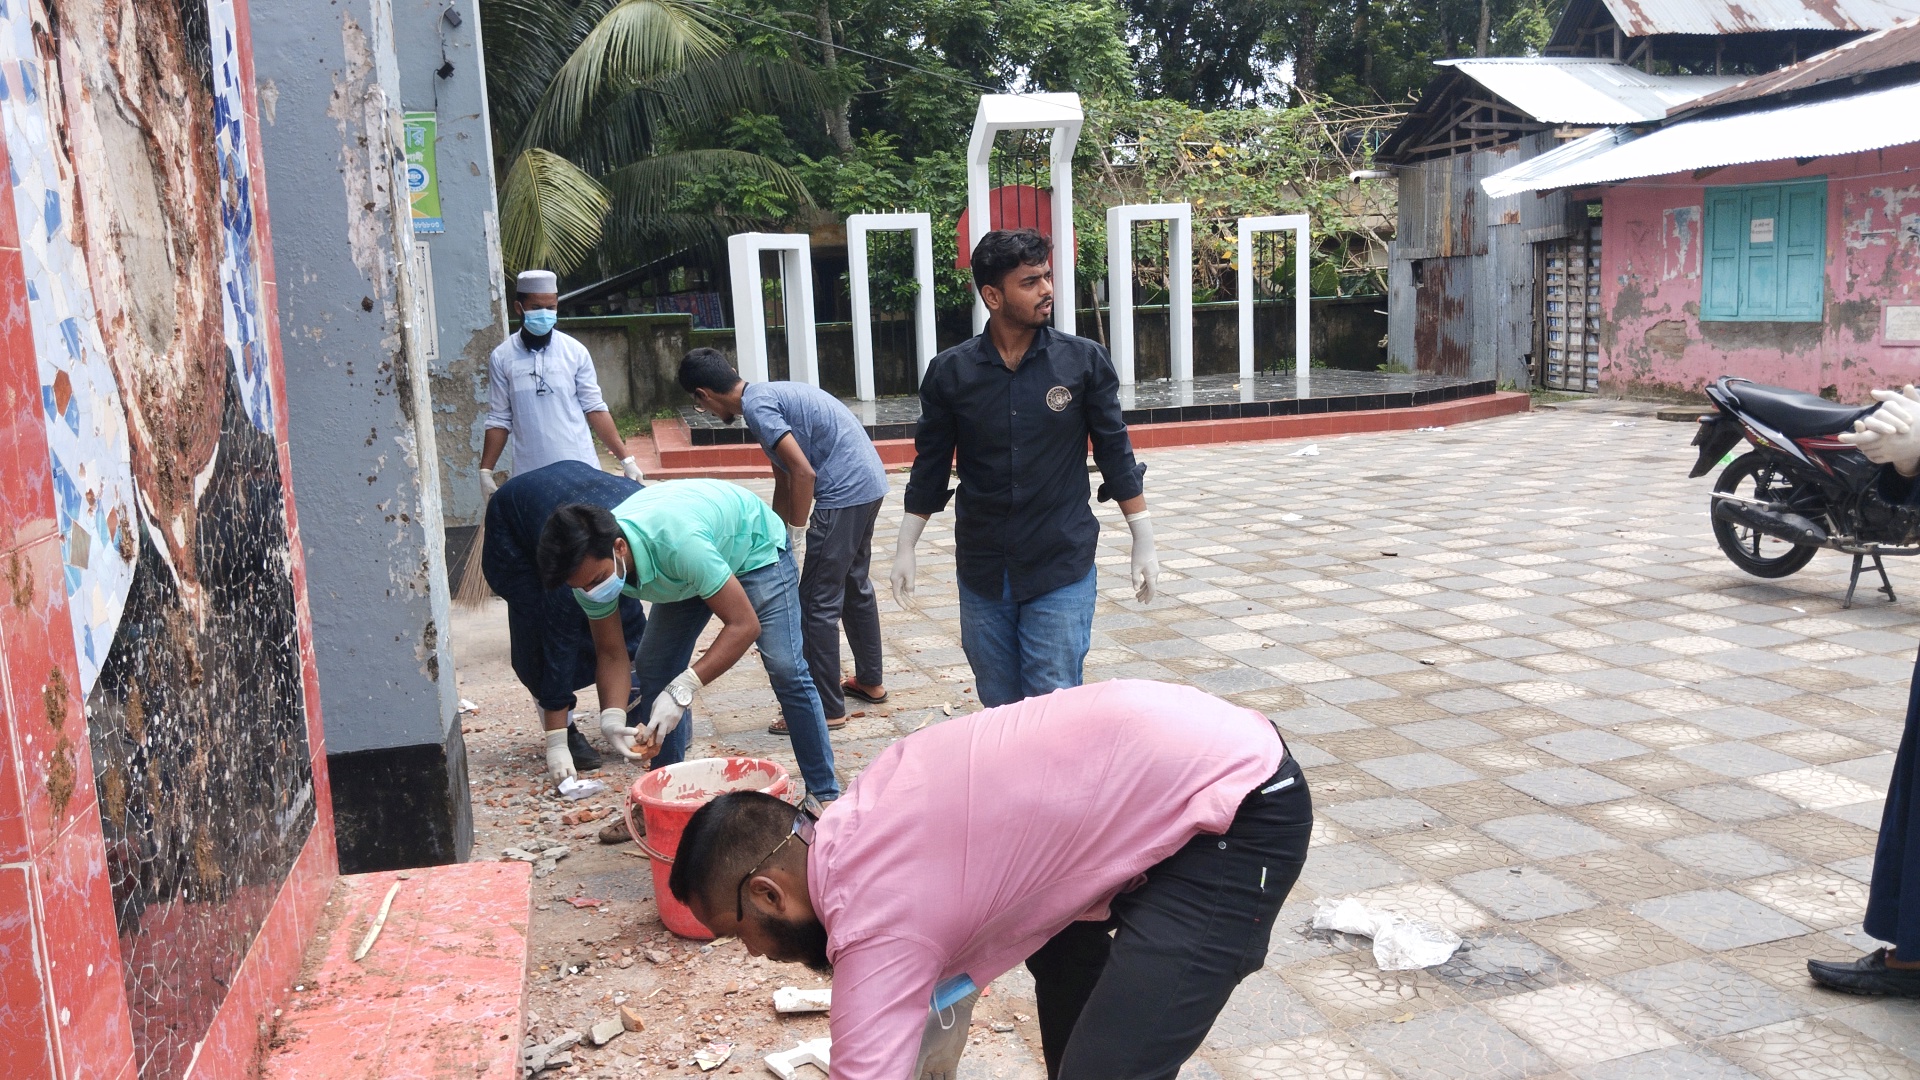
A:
1399,943
576,789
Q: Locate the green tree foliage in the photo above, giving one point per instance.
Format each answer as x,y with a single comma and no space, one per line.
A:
1367,51
603,109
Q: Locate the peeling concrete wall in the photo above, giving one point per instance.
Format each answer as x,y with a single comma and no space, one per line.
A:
1653,341
361,420
469,288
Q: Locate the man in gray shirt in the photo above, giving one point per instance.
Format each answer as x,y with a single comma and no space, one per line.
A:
828,481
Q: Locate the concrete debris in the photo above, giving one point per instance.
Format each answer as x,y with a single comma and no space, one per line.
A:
787,1064
551,1054
1309,450
792,999
606,1031
1002,1027
519,854
630,1019
655,956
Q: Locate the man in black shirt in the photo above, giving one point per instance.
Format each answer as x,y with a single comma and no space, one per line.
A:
1019,404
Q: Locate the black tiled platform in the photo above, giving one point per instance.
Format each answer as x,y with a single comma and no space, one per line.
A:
1209,397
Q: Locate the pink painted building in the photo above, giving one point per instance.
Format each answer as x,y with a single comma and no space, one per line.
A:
1769,231
1653,338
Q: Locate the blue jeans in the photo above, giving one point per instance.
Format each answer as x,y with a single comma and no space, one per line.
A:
1025,648
667,647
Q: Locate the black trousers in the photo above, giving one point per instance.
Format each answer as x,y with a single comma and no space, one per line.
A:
1131,998
834,588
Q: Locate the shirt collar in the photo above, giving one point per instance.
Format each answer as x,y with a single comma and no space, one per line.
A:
644,569
986,353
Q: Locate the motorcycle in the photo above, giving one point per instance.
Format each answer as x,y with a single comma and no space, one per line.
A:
1800,489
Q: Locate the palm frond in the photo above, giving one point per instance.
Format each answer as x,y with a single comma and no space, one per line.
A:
694,104
551,213
526,42
634,42
647,187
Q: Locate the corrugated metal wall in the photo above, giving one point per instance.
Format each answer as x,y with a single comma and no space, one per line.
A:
1489,275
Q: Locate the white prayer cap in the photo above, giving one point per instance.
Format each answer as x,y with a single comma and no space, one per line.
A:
536,281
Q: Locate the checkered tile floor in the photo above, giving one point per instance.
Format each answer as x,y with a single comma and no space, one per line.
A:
1537,706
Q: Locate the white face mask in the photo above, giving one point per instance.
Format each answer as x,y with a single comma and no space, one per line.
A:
608,591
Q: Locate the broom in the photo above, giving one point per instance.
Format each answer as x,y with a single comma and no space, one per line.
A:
473,590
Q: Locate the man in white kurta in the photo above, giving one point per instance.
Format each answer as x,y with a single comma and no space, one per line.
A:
543,397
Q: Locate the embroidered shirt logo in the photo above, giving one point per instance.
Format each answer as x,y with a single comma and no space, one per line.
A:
1059,398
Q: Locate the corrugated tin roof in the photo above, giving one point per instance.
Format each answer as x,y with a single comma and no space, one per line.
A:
1882,50
1568,90
1639,18
1869,120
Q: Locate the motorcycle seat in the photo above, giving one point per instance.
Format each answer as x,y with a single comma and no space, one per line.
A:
1793,413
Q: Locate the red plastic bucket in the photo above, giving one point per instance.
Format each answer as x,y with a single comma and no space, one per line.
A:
667,798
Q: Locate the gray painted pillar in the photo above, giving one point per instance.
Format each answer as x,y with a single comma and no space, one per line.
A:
468,283
365,470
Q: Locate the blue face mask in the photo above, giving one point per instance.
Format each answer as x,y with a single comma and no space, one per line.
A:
607,591
539,321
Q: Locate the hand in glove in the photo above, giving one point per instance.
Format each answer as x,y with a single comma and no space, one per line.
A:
669,704
905,565
559,758
1890,435
632,469
1146,562
488,483
613,726
796,536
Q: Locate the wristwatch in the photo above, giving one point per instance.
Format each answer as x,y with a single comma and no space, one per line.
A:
681,694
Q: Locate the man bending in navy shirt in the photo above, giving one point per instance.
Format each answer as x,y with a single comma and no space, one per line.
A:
1018,405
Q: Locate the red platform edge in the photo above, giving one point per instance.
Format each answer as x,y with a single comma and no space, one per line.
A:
442,992
676,458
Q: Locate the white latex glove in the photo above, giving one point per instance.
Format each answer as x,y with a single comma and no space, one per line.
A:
904,564
559,758
1146,561
632,469
1890,435
613,727
488,485
667,710
944,1040
796,536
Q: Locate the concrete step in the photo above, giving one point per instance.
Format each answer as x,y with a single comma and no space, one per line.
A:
679,459
440,994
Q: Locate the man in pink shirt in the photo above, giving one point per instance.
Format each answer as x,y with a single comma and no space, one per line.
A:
1131,841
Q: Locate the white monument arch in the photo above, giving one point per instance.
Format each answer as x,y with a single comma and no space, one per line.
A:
858,226
1120,222
1302,297
750,313
1024,112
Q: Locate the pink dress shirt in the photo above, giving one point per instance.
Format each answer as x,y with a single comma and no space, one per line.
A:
966,846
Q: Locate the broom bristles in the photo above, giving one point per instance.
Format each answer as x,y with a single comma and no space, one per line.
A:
473,590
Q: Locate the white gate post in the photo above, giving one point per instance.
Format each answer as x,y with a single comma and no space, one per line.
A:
1020,112
1120,221
858,226
1302,295
750,313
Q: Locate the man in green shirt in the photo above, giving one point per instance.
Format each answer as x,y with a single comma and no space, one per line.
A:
693,549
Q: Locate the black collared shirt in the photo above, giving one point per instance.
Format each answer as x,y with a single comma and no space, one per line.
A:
1021,437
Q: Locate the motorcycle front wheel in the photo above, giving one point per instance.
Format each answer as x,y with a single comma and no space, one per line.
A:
1755,476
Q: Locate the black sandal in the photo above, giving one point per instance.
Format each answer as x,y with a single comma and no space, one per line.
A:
851,690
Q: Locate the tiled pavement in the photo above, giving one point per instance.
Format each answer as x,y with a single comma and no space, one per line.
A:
1537,706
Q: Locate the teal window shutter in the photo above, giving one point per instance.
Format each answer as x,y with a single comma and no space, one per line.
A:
1720,285
1803,251
1766,253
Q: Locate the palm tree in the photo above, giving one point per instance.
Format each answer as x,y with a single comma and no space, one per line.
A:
601,109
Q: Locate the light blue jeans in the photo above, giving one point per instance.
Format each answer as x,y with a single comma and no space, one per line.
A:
1025,648
667,647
